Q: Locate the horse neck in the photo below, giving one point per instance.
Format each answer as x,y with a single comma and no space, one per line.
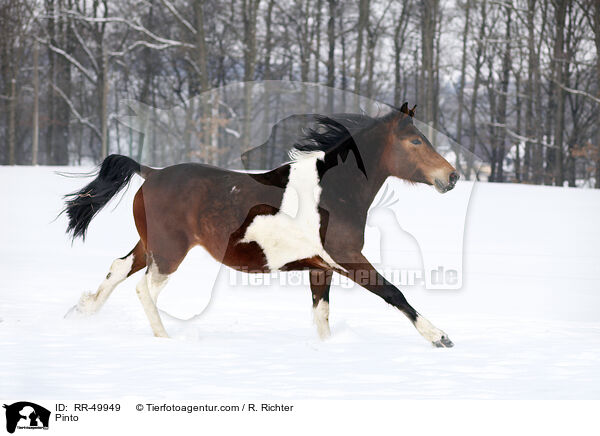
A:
347,184
371,146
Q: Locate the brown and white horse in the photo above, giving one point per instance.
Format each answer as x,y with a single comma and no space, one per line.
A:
307,214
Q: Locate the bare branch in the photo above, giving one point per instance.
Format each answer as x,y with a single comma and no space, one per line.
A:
139,44
578,92
508,5
133,25
179,17
520,137
81,120
85,48
87,73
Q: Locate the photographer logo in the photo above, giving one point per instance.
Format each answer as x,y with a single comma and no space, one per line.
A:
24,415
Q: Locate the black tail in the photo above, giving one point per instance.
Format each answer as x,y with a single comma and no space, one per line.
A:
81,206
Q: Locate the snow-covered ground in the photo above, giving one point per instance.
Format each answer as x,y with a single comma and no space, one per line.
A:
526,323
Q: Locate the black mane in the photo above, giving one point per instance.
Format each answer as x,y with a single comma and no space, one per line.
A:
335,136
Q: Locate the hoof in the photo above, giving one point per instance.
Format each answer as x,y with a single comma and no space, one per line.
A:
444,342
324,333
74,313
86,306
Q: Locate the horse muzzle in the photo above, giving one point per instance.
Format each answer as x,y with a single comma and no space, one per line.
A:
445,186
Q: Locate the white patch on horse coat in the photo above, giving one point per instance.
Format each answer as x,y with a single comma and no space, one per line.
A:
428,330
91,303
293,233
321,318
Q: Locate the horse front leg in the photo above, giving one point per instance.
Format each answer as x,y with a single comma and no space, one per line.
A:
320,282
362,272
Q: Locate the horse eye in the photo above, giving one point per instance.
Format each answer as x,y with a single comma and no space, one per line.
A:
416,141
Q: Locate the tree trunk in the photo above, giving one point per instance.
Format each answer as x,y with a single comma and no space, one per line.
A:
344,81
399,40
12,113
596,26
427,41
556,96
50,10
518,142
429,27
568,162
269,39
104,104
463,66
538,150
267,93
306,35
201,58
331,57
143,98
363,17
502,104
63,82
249,10
476,84
316,78
436,69
201,52
529,90
371,46
493,114
461,88
36,105
559,58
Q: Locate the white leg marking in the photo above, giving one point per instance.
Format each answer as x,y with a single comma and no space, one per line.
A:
147,291
428,330
321,318
294,232
90,303
158,284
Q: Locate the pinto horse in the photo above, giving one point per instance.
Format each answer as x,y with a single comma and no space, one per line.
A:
309,214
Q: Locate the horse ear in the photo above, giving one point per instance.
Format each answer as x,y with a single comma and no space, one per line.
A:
412,111
404,108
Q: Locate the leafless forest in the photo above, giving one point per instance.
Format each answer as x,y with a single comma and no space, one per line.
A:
515,82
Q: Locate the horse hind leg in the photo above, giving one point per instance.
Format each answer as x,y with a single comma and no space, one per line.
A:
149,288
121,268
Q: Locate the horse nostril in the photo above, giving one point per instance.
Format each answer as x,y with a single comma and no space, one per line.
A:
453,177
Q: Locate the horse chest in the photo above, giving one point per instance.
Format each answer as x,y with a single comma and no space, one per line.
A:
294,232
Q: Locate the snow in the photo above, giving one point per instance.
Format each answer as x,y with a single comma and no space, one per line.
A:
526,322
